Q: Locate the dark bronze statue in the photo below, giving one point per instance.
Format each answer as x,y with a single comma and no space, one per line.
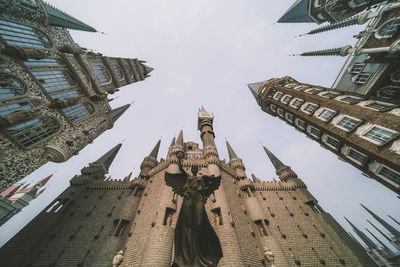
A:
196,243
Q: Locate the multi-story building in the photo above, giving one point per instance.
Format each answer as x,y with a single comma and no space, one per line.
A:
17,196
53,93
258,223
320,11
361,131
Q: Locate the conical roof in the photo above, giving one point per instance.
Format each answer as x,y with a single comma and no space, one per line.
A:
44,180
390,228
379,241
154,152
297,13
147,69
362,236
179,140
11,190
254,87
380,231
61,19
275,161
231,152
173,142
114,114
108,158
394,219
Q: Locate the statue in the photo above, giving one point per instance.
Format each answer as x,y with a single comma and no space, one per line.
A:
196,243
117,260
269,256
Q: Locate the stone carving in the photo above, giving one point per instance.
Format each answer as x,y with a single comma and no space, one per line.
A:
196,243
71,49
60,104
20,116
269,256
117,260
23,53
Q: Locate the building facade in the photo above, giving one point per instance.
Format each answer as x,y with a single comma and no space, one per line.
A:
53,93
359,130
258,223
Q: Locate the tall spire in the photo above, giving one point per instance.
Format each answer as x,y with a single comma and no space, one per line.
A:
390,228
380,231
340,51
61,19
179,140
108,158
370,244
277,163
298,12
42,182
254,87
154,152
380,242
114,114
173,142
232,154
396,221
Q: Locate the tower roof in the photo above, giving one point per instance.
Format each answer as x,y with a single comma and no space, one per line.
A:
172,142
44,180
108,158
11,190
379,241
147,69
394,219
390,228
380,231
231,152
61,19
114,114
298,12
154,152
363,237
254,87
275,161
179,140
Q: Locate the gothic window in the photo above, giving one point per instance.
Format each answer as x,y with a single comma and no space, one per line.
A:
389,91
357,157
33,131
357,68
41,62
10,86
102,74
330,95
388,28
118,71
297,103
310,108
326,114
65,95
388,173
348,123
17,34
379,135
78,112
286,99
278,95
362,77
379,106
16,107
350,99
53,80
332,142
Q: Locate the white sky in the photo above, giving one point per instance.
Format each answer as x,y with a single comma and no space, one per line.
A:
205,53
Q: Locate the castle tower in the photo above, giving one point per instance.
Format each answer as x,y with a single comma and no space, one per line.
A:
55,98
358,129
236,162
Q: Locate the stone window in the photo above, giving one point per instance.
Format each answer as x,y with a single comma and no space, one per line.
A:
273,108
102,74
262,227
310,108
66,94
22,35
278,95
217,216
286,99
48,62
53,80
10,86
313,91
16,107
379,106
350,99
289,117
327,114
118,71
291,85
315,132
169,216
78,112
362,77
357,157
330,95
388,28
301,124
357,68
332,142
388,173
379,135
119,227
301,88
389,92
281,112
297,103
348,123
33,131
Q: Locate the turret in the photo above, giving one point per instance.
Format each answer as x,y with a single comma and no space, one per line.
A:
150,161
236,162
284,172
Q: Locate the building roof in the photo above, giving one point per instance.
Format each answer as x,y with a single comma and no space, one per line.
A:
297,13
275,161
254,87
108,157
154,152
61,19
114,114
11,190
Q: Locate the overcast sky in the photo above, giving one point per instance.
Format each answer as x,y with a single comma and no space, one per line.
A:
205,52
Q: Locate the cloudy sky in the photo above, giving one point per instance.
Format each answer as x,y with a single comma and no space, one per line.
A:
205,52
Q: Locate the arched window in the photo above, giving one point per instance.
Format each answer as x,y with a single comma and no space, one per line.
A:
42,62
53,80
101,73
33,131
10,86
17,34
15,107
388,28
389,91
118,71
65,95
78,112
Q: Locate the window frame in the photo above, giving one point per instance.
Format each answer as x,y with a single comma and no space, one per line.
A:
378,35
379,173
306,105
352,71
386,106
336,124
284,97
331,145
355,160
278,95
336,94
357,99
292,103
373,126
332,115
317,136
296,122
360,77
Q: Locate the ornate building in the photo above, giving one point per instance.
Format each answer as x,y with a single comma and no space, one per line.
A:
258,223
360,130
53,93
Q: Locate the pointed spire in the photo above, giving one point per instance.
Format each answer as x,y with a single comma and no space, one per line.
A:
173,142
340,51
61,19
255,179
255,87
277,163
379,241
147,69
108,158
11,190
154,152
329,27
390,228
298,12
114,114
394,219
370,244
179,140
232,154
380,231
42,182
